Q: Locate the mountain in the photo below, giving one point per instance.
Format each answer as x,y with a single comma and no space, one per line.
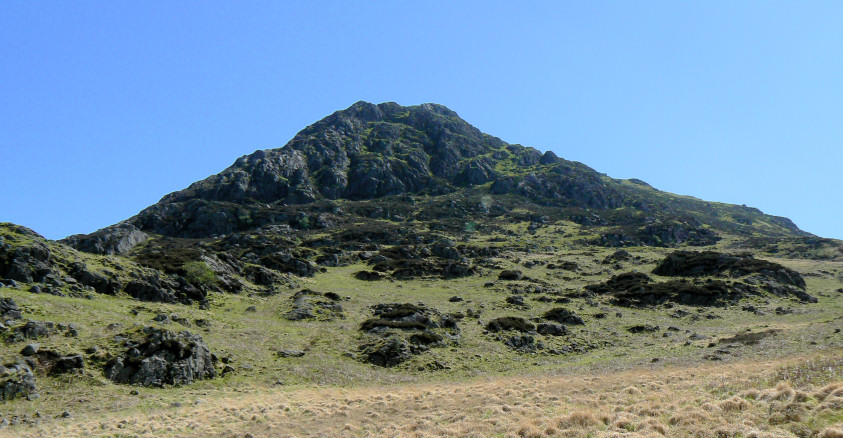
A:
369,152
374,175
384,243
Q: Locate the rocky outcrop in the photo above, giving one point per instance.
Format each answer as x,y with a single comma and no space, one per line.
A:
551,329
308,304
28,261
66,364
564,316
387,352
637,289
116,239
162,358
17,380
34,330
284,261
104,283
510,323
399,331
26,257
165,289
404,316
522,343
370,151
660,235
9,310
510,275
261,276
692,264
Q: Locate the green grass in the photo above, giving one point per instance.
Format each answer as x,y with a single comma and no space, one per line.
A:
252,339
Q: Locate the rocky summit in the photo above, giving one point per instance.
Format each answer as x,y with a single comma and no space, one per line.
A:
387,244
388,151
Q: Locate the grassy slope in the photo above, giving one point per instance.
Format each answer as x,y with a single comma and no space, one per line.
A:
252,338
766,398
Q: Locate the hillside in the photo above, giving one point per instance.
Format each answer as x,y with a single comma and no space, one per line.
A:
369,152
392,246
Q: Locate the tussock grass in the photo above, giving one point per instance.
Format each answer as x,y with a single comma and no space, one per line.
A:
670,402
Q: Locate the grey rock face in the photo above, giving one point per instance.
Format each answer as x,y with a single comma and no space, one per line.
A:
351,155
116,239
261,276
101,283
9,310
283,261
149,292
160,289
163,358
16,380
27,263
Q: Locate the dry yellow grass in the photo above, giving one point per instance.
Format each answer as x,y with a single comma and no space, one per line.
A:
734,400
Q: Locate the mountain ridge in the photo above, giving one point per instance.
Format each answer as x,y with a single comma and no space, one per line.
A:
370,151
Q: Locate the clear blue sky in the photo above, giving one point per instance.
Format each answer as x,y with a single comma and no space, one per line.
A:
107,106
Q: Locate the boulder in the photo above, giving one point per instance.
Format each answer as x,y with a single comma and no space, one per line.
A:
551,329
515,300
145,291
16,380
290,353
9,283
261,276
9,310
386,353
564,316
308,304
617,256
30,349
102,283
510,323
35,329
162,358
368,275
510,275
643,328
66,364
331,260
522,343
